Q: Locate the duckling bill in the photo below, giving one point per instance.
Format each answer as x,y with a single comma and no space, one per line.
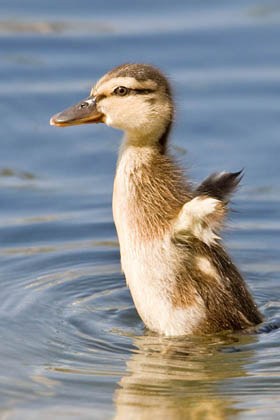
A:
84,112
181,279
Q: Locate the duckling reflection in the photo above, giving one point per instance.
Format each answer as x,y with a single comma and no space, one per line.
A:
178,379
181,279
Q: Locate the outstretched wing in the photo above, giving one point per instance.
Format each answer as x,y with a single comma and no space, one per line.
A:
201,217
219,185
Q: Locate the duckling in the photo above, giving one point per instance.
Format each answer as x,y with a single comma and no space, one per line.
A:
181,279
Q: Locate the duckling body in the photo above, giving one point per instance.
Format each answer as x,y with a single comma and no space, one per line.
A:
148,257
180,283
181,279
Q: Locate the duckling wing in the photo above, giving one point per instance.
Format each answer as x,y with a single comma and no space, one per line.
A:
201,218
220,185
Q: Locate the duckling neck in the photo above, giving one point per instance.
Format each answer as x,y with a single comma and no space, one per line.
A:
155,137
149,190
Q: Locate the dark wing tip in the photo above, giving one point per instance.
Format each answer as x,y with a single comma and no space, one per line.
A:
220,185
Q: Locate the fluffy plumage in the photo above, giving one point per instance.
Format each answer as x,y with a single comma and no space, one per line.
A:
181,279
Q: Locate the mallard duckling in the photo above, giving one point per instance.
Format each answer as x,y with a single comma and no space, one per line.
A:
181,279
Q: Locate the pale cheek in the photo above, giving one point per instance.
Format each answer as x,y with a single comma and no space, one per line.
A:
116,121
124,120
109,120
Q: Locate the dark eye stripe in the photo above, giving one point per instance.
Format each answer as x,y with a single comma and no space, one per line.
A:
143,91
135,91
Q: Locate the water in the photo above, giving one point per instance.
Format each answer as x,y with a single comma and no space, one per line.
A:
72,345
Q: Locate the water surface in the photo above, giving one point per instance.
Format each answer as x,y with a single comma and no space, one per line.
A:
72,345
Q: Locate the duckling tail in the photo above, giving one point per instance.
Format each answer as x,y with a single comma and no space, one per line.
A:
220,185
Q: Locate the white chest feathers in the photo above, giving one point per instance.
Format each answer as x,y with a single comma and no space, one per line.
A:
150,265
151,276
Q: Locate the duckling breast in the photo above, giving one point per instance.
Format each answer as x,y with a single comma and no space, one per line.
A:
152,273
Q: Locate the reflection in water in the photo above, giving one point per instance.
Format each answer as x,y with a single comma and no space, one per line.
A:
7,172
180,378
58,247
49,27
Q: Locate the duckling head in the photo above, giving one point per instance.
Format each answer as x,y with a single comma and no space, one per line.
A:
135,98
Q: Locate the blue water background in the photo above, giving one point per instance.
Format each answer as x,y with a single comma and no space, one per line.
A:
72,345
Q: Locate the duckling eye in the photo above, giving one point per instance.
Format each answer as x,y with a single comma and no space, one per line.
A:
121,91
